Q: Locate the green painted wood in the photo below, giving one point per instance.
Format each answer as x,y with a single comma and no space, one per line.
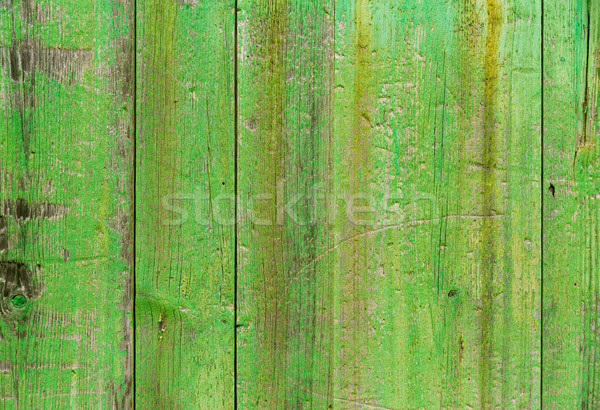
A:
571,209
65,204
285,155
185,181
432,297
391,165
487,246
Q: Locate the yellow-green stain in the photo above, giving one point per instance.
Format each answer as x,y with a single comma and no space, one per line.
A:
489,266
355,274
273,324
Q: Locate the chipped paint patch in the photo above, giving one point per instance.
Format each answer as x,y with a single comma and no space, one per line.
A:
22,210
27,56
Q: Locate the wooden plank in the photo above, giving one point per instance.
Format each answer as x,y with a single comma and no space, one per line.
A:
571,205
65,204
441,297
185,181
285,278
431,298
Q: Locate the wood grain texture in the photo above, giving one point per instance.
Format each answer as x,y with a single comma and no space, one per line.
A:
488,247
185,181
571,212
428,294
65,204
416,186
449,279
285,55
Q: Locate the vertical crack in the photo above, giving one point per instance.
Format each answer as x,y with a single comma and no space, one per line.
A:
582,138
134,197
236,196
542,185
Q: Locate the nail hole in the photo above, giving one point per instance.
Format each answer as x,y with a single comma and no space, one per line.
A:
552,190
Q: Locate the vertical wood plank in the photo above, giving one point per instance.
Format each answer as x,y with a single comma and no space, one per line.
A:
285,149
419,281
65,204
439,299
571,212
185,183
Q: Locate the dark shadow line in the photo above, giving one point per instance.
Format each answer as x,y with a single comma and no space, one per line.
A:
236,222
542,216
134,202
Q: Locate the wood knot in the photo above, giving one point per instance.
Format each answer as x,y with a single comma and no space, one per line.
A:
19,301
17,287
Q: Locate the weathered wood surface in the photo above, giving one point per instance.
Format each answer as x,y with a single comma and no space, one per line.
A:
285,155
185,183
432,298
332,204
571,205
65,204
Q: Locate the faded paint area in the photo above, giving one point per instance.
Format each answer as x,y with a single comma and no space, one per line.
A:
158,119
356,269
274,318
187,2
22,210
27,56
489,267
121,73
3,235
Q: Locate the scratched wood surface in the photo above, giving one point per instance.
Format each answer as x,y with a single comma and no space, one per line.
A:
65,204
401,127
285,145
571,353
303,204
184,205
